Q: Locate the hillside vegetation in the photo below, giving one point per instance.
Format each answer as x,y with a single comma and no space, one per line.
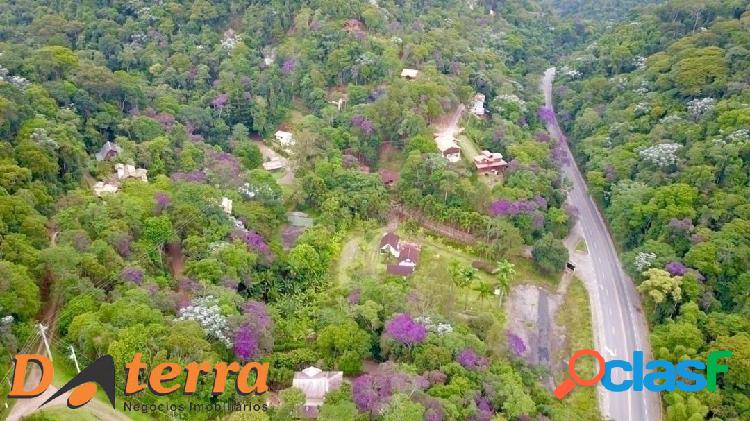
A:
659,118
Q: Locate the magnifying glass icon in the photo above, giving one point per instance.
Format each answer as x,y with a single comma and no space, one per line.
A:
568,384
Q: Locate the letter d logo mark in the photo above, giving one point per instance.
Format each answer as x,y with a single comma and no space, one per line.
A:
18,389
83,386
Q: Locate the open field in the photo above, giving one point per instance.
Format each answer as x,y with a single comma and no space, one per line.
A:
578,335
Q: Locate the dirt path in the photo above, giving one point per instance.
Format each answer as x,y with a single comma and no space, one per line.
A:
175,260
270,154
447,124
531,311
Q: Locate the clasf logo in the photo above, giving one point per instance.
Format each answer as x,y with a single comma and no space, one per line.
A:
101,372
664,374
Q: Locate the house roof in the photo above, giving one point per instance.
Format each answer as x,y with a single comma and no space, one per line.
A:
446,143
488,159
399,270
389,239
409,251
410,73
107,151
316,383
299,219
285,138
388,176
273,164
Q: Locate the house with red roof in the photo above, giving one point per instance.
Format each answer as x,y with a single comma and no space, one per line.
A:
490,163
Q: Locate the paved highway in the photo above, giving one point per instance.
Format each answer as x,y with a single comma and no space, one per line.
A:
619,324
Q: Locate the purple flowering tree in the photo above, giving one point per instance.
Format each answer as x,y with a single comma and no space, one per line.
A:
363,124
161,202
504,207
122,244
253,337
546,115
402,328
515,343
132,274
469,359
354,296
225,168
245,343
220,101
253,240
371,392
289,65
675,268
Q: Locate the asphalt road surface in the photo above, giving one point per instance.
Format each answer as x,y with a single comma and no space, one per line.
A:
619,324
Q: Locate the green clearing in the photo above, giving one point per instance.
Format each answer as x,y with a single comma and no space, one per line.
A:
62,414
468,148
361,258
577,325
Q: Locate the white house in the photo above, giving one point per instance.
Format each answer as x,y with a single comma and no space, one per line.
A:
448,147
389,244
409,73
129,171
315,384
101,188
226,204
285,139
477,107
273,164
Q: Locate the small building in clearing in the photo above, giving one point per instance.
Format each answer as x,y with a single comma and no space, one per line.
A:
490,163
226,205
388,177
273,165
299,219
448,147
409,73
130,171
285,139
315,384
108,151
477,107
406,253
101,188
389,244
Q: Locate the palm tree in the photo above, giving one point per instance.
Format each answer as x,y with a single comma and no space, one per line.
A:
469,275
484,289
505,272
462,277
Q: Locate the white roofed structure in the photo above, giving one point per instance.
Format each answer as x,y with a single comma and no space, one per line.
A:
447,146
274,164
129,171
316,383
410,73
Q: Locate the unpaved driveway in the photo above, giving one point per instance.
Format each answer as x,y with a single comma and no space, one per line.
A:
270,154
447,124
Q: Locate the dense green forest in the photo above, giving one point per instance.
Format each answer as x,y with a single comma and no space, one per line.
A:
659,119
189,90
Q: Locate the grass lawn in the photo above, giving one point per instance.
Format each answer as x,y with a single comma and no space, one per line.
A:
578,329
468,148
581,246
64,414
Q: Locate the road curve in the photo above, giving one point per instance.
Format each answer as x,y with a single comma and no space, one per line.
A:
619,324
